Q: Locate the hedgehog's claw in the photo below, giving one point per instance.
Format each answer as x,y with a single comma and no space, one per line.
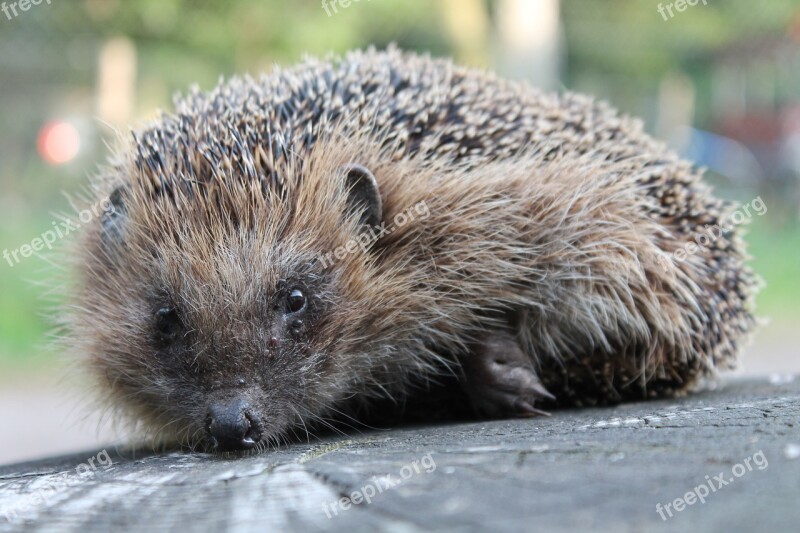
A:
500,379
526,409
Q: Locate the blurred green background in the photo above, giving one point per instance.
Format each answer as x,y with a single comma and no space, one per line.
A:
720,82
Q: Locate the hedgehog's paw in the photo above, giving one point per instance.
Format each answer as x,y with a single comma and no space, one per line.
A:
500,379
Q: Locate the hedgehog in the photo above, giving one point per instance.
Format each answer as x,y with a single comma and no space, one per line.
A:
282,251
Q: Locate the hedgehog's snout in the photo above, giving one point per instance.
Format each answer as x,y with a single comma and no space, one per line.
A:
232,426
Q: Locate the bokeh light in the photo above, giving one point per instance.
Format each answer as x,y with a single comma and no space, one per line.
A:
58,142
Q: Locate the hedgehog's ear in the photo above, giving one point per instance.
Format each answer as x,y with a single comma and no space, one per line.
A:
114,217
363,195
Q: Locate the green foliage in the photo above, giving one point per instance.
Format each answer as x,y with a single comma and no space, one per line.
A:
776,256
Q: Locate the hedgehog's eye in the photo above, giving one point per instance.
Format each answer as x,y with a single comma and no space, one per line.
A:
168,323
296,301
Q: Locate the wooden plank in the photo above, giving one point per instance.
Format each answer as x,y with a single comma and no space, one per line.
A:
601,469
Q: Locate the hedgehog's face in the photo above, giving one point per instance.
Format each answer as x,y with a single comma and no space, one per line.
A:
215,331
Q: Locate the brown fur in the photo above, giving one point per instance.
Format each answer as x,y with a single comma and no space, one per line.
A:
548,212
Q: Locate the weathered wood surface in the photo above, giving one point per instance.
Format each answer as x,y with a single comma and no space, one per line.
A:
596,469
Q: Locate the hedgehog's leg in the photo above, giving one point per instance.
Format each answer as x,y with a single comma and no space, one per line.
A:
500,379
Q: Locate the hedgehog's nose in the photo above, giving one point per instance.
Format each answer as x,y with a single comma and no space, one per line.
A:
231,427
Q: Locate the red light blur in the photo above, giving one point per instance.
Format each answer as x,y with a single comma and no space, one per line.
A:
58,142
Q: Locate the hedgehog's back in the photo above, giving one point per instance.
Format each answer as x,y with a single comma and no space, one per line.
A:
246,129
